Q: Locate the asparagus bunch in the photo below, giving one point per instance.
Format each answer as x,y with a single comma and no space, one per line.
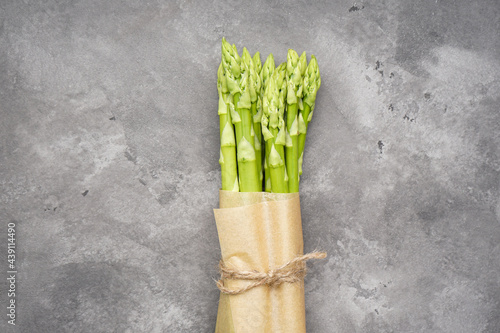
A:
264,113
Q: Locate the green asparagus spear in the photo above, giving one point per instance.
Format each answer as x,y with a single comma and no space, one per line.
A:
312,82
238,83
281,83
255,86
274,130
227,159
265,74
257,116
294,70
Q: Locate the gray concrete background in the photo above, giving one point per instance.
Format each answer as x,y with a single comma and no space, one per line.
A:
109,161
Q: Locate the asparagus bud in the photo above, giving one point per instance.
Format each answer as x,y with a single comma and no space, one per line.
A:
257,62
312,81
267,71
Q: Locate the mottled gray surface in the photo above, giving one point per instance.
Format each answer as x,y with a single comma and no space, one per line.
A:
117,100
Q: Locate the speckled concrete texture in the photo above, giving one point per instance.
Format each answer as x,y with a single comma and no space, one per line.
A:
109,161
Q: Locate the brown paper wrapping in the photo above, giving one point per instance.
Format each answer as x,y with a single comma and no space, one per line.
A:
260,231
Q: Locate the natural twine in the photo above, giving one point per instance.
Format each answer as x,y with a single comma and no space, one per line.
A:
293,271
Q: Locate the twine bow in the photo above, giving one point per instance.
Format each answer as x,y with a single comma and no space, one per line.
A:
293,271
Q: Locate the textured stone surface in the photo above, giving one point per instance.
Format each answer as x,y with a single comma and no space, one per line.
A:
109,161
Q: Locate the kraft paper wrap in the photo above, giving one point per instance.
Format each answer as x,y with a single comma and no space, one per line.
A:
260,231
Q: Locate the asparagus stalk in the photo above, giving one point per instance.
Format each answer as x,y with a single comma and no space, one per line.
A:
227,158
237,77
295,68
255,86
258,115
265,74
282,84
312,82
274,130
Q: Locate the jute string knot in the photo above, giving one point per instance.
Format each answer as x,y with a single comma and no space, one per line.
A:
293,271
